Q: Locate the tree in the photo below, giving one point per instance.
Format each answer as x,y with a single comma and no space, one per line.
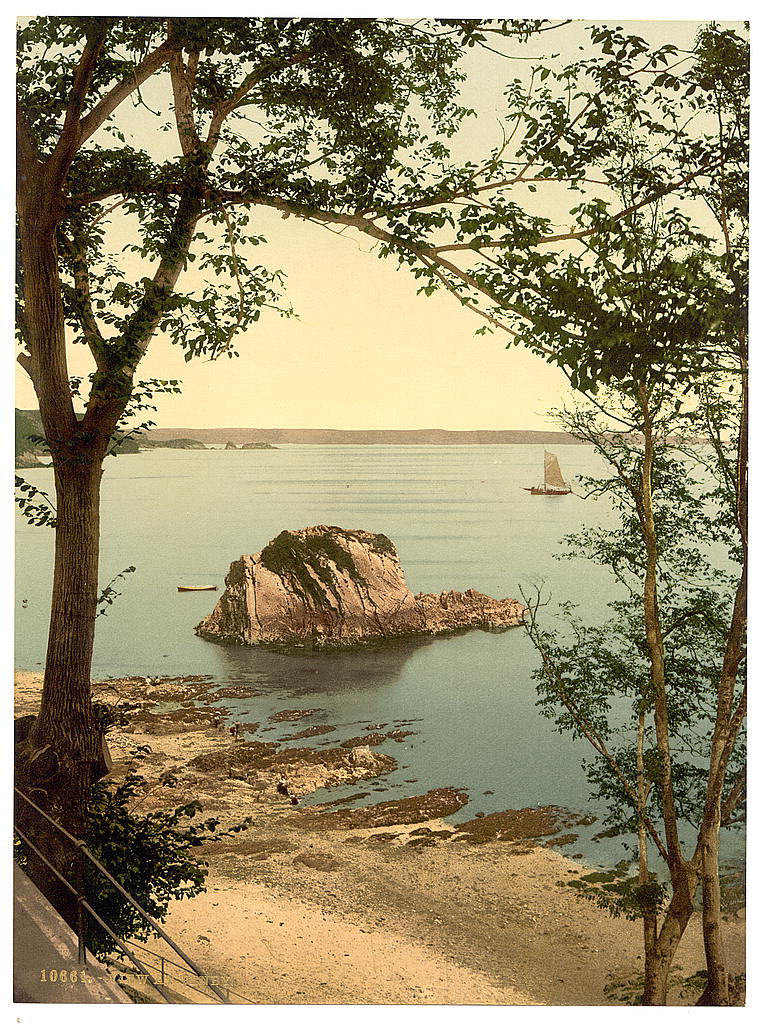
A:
294,113
654,319
654,684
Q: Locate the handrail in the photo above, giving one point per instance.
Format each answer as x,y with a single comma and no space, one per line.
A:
168,962
81,845
83,903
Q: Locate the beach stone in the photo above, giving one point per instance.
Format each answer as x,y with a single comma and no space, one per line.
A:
318,861
372,739
255,848
313,730
181,720
293,771
565,840
293,714
234,693
328,587
362,757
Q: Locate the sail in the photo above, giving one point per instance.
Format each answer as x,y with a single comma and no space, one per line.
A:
553,477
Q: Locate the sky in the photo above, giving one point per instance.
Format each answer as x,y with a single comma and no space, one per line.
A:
365,351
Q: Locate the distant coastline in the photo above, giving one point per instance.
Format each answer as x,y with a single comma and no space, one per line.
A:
279,435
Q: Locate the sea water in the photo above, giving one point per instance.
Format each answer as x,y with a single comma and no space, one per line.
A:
459,517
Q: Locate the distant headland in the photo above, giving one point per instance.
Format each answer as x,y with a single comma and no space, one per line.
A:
281,435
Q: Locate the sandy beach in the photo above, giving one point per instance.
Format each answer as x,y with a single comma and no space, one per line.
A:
307,907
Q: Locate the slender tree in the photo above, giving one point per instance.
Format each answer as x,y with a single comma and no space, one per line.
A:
648,688
657,313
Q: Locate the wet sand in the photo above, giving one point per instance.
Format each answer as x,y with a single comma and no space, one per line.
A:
404,913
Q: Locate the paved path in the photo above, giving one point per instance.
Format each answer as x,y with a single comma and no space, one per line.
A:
44,943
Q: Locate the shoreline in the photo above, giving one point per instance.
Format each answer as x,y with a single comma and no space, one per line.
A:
329,906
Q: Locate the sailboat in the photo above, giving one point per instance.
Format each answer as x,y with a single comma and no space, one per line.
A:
553,481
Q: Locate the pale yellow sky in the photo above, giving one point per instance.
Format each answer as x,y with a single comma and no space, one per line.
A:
366,351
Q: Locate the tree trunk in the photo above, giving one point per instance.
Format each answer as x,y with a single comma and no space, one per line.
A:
649,914
716,992
66,720
728,721
672,929
61,757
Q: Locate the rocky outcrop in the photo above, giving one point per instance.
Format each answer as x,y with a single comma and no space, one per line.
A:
293,771
261,445
230,447
328,587
27,460
191,443
436,803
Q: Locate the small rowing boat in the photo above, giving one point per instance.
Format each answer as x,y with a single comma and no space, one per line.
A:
208,586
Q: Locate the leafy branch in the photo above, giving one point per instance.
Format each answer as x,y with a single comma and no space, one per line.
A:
109,595
34,504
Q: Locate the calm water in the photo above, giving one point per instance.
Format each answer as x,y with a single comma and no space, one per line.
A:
459,518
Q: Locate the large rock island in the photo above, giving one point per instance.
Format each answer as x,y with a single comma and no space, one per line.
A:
328,587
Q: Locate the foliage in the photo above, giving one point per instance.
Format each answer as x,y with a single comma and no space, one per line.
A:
623,128
334,100
109,594
349,122
149,854
35,505
597,678
111,716
308,564
621,894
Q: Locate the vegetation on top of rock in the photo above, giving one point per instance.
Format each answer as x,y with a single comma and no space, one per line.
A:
408,810
381,545
308,564
173,442
330,588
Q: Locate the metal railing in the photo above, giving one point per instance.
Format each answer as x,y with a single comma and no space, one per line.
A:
165,967
83,907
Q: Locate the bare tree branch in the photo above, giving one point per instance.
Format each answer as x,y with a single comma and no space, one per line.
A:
27,363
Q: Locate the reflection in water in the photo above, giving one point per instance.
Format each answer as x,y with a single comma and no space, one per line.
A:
306,672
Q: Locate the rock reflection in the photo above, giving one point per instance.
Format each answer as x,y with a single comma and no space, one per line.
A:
303,673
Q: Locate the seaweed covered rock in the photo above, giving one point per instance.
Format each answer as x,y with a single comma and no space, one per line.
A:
293,771
328,587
